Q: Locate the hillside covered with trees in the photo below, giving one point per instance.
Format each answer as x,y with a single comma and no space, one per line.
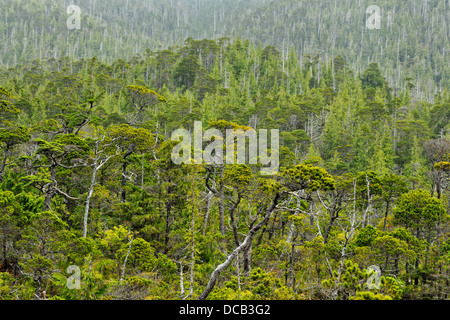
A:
411,46
92,205
87,180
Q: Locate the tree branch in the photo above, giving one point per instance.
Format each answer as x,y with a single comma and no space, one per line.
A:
248,239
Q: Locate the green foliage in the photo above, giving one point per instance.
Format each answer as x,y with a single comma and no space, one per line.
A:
417,209
6,103
353,280
368,295
366,236
265,285
309,178
89,141
372,77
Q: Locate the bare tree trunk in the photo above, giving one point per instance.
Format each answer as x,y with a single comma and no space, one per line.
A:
125,261
248,239
191,275
221,205
366,212
291,225
96,167
247,257
181,282
88,199
328,230
208,208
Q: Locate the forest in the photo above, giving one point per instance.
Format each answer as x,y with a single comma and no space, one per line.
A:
411,47
93,207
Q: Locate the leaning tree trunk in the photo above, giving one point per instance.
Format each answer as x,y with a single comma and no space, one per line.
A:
88,200
244,245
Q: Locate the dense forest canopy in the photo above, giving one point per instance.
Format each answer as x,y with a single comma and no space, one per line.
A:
411,46
88,185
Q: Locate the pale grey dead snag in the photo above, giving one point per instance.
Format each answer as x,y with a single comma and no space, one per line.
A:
125,262
98,164
247,242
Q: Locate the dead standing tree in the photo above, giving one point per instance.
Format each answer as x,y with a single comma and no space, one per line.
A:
301,177
243,246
